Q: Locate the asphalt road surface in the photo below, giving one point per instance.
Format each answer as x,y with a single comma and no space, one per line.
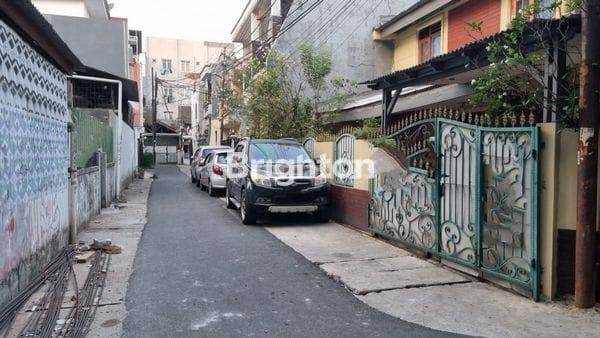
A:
200,272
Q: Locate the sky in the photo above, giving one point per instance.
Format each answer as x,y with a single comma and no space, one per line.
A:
203,20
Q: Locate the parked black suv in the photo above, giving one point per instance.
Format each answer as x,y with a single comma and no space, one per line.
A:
275,176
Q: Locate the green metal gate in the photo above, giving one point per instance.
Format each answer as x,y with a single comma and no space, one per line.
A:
478,208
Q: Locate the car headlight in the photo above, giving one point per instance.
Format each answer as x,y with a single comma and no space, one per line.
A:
261,180
320,180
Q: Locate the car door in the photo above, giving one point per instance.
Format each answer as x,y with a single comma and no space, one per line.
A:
203,170
236,170
194,163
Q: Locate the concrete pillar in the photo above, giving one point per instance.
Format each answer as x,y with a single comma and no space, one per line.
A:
549,208
104,194
73,198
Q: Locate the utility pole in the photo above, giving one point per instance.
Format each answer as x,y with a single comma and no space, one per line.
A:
154,110
587,157
222,103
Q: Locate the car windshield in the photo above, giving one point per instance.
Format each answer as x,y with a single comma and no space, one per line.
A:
278,151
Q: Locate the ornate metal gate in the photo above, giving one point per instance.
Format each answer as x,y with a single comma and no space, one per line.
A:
476,205
309,145
344,160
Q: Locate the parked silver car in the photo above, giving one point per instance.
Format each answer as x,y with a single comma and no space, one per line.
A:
198,160
213,170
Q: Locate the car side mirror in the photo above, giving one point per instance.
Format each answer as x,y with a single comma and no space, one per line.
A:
318,162
237,158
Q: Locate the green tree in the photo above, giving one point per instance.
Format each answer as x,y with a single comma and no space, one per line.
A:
514,83
293,98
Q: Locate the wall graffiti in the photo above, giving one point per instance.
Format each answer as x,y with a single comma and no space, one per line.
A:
34,155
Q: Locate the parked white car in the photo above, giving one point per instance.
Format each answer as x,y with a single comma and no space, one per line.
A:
213,170
199,158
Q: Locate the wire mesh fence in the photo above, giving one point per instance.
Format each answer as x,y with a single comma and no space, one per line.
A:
91,135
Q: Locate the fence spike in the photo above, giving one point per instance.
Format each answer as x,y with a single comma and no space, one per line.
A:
531,119
476,120
522,119
504,120
513,119
470,118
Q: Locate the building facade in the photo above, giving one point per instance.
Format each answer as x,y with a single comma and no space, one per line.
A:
99,41
178,65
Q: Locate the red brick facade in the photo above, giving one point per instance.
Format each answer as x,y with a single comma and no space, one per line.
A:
486,12
350,206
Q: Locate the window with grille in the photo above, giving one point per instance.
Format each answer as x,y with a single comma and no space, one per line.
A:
168,93
167,67
94,94
546,8
185,67
430,42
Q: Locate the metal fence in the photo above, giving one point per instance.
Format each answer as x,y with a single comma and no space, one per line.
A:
344,157
91,134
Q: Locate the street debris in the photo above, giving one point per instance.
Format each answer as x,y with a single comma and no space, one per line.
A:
96,245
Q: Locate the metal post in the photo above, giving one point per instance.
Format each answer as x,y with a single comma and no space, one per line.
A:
587,182
154,113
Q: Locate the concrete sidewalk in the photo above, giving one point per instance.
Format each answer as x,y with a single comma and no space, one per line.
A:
122,223
419,291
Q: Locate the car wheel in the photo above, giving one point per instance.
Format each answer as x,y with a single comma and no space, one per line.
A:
246,211
211,190
323,215
230,204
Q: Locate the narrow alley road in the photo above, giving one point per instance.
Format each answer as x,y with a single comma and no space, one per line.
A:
199,271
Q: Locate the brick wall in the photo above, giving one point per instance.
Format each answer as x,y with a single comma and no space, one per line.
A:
349,206
485,11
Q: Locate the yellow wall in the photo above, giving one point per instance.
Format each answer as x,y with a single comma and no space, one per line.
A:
406,46
406,50
324,152
567,180
362,151
558,197
215,132
505,13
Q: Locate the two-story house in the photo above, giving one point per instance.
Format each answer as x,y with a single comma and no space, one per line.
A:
434,43
439,48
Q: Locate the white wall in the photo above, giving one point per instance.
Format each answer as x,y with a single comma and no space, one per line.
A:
128,158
